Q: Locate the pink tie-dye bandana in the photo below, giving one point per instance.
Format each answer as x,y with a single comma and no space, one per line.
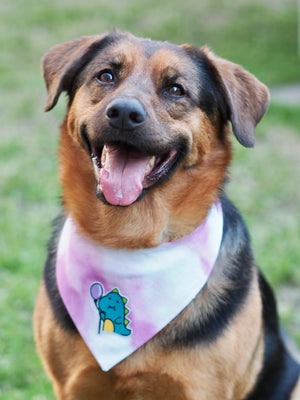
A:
119,299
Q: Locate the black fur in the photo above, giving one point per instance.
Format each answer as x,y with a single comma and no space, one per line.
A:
212,97
76,73
59,310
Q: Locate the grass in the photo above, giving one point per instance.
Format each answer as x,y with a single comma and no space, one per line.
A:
261,35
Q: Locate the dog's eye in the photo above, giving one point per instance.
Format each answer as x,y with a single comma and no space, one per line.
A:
176,91
105,76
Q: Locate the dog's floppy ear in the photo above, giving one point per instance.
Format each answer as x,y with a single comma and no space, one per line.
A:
62,62
247,98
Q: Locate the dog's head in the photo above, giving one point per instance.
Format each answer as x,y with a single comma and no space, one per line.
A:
153,119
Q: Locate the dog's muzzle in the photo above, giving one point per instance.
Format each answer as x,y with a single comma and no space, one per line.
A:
126,161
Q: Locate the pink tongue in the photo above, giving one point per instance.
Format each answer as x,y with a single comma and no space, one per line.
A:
122,175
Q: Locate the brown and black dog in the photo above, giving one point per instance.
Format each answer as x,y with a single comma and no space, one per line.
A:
171,106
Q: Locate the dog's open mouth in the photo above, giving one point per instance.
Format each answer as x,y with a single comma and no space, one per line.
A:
123,172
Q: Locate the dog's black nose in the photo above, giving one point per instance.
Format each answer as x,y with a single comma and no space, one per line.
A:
125,114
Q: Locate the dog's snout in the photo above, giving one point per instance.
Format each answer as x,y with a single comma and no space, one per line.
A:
125,114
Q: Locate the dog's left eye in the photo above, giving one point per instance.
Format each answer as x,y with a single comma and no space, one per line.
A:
105,76
176,91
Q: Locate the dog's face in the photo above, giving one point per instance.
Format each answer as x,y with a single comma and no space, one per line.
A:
137,114
147,122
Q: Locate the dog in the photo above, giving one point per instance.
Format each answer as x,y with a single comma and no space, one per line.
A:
143,156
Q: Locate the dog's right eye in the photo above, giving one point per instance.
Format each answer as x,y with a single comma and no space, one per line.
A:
106,76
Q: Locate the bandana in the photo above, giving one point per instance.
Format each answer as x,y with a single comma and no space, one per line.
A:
119,299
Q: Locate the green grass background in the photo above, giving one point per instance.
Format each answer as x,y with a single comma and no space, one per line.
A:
260,35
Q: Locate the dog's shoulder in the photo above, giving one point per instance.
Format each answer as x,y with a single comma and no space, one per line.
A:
58,307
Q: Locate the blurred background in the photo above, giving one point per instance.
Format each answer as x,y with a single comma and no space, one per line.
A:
259,34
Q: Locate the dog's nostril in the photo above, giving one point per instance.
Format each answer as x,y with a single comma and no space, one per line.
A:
112,112
136,117
125,113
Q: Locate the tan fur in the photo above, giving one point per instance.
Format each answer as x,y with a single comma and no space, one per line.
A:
227,368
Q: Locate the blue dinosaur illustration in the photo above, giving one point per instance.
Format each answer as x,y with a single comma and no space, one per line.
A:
112,311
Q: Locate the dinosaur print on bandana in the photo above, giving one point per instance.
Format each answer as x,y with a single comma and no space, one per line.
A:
112,310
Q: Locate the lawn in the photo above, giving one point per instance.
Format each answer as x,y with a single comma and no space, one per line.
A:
260,35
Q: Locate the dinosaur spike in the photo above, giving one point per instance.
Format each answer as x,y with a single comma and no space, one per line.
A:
126,311
126,321
124,300
115,290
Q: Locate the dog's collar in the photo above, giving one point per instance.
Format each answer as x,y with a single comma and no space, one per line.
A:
119,299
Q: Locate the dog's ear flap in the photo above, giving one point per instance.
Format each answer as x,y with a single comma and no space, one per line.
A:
62,62
247,98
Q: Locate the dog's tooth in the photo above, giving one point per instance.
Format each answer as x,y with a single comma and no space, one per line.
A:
103,155
95,165
150,164
94,160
